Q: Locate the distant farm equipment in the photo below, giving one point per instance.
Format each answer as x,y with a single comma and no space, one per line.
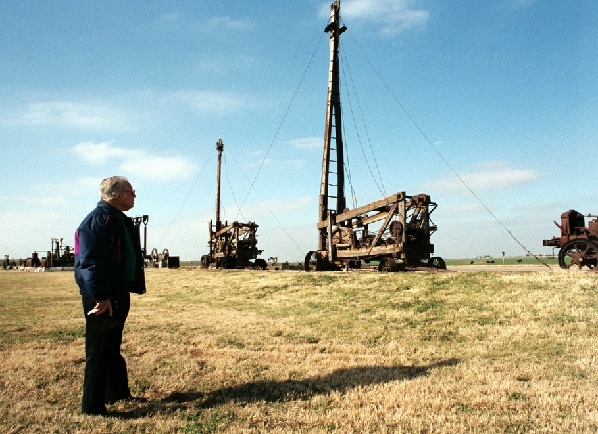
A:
163,260
231,245
63,257
154,259
9,264
59,256
578,243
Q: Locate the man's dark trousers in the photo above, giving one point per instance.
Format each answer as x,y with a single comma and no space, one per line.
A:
105,377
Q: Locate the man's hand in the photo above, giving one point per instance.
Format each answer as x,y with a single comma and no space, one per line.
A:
101,307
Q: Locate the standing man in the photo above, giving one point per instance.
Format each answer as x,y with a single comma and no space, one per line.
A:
108,266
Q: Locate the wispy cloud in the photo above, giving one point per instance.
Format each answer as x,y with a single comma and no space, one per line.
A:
268,208
457,210
99,153
49,192
209,101
135,161
158,168
98,116
230,23
307,143
488,176
223,64
38,201
392,16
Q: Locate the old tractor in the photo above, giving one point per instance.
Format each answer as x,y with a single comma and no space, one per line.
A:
231,245
578,244
393,232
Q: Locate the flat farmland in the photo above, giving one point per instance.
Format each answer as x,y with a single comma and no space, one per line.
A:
295,352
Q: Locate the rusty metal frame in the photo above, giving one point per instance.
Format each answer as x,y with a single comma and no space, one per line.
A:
339,246
578,243
231,245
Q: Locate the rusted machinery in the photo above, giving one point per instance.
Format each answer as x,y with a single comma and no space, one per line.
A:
62,256
578,244
393,231
59,256
163,260
231,245
137,221
154,259
7,264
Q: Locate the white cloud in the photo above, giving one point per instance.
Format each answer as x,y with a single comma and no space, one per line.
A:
74,114
393,16
158,168
229,23
282,209
37,201
54,193
296,163
135,161
487,176
209,101
224,63
454,211
99,153
308,143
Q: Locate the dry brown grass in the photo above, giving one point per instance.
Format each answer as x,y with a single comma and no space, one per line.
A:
282,352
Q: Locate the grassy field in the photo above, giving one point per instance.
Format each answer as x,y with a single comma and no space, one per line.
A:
292,352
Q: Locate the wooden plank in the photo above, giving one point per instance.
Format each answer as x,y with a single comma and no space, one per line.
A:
390,200
364,252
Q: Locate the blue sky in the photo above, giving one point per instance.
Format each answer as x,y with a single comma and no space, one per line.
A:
500,94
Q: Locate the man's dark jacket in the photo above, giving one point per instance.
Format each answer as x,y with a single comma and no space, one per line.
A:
99,254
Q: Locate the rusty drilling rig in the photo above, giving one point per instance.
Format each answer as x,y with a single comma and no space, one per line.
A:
231,245
393,231
578,243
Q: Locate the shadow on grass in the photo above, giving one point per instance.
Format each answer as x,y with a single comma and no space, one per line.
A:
340,380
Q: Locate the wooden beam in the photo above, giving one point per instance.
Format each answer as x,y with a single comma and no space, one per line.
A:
390,200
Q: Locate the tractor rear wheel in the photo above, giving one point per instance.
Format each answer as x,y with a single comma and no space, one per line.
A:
579,253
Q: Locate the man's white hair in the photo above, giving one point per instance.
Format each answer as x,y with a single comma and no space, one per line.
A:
110,186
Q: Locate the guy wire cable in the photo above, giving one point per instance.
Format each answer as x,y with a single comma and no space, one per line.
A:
443,158
184,200
251,187
380,185
240,212
270,210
